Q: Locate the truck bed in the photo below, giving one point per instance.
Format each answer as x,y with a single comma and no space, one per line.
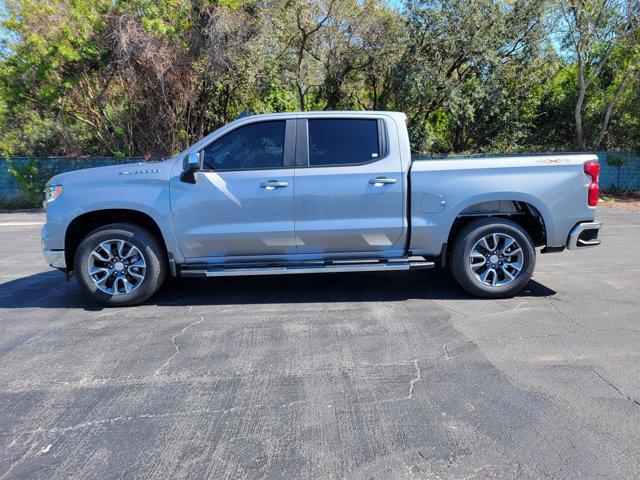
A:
444,188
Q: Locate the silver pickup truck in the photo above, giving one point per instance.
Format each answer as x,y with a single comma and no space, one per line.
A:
316,192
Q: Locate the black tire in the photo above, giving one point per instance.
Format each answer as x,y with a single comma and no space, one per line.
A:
150,248
459,263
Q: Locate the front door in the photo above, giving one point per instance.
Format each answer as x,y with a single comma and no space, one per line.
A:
349,188
241,204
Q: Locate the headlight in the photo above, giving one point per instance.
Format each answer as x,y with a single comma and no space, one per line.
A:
51,193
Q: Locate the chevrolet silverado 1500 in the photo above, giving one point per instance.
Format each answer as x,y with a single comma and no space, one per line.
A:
316,192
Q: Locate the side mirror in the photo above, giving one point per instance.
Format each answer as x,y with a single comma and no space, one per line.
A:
190,165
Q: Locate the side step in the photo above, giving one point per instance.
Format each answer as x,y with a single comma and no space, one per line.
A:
334,267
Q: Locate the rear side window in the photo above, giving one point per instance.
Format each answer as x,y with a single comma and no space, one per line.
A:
254,146
343,141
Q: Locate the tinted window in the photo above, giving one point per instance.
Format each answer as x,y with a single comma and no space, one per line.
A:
340,142
257,145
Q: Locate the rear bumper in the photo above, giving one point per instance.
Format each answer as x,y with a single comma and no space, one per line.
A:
55,258
584,235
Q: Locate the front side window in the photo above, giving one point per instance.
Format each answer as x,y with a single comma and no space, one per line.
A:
343,141
254,146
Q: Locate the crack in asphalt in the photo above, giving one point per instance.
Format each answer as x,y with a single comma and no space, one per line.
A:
517,308
620,392
412,383
121,419
175,345
556,309
417,378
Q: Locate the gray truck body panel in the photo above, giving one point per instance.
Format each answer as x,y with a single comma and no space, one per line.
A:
140,187
555,185
329,212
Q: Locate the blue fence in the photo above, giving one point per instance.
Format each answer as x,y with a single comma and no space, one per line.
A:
629,173
47,167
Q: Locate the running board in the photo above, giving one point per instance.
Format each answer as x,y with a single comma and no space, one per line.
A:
293,269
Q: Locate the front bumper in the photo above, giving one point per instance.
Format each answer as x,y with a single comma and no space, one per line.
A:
52,255
55,258
584,235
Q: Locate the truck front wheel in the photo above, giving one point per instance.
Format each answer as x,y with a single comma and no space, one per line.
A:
120,264
492,258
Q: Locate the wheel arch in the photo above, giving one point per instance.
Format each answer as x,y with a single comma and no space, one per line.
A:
523,211
83,224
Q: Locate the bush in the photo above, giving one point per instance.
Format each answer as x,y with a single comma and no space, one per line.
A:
21,201
29,175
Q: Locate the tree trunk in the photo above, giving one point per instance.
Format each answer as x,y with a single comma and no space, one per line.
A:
582,86
607,115
580,139
301,97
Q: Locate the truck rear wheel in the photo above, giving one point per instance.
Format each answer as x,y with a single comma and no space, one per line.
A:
120,264
492,258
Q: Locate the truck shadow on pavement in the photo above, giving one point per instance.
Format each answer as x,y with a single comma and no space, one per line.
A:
50,290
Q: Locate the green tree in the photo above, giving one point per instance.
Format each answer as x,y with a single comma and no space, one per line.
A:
465,62
149,77
602,37
48,48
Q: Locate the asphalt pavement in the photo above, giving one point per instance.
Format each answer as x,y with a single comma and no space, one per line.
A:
362,376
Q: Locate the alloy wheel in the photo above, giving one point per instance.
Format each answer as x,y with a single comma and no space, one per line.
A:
496,259
116,267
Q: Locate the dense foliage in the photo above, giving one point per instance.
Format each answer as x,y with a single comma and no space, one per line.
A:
148,77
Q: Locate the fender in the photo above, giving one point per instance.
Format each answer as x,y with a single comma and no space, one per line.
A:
431,231
146,190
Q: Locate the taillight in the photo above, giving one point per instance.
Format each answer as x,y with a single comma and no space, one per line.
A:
593,170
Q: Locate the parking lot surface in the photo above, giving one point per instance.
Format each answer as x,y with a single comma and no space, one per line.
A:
364,376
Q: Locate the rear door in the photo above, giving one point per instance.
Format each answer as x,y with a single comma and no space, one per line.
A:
349,187
241,204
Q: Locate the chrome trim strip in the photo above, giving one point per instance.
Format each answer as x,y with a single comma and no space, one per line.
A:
573,243
55,258
284,270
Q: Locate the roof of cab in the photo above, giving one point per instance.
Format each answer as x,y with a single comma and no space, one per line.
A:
323,113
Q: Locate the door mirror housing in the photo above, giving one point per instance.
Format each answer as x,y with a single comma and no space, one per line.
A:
190,165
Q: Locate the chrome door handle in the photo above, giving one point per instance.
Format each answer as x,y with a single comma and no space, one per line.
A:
380,181
273,184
